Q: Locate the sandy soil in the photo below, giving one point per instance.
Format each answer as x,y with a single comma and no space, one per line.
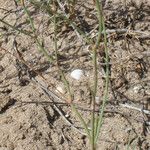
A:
28,118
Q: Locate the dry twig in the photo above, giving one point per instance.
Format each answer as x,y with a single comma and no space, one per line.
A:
126,105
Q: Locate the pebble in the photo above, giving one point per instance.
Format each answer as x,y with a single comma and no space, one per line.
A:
77,74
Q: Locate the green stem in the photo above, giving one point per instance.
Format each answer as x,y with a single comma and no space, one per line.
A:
94,118
50,58
105,97
67,84
82,122
16,29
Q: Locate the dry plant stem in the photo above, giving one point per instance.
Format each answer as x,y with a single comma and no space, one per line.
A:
138,33
123,60
126,105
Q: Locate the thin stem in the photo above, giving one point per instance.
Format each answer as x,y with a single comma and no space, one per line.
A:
50,58
100,16
82,122
16,29
105,98
67,83
94,120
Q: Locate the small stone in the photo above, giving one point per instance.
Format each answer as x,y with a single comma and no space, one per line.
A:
77,74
